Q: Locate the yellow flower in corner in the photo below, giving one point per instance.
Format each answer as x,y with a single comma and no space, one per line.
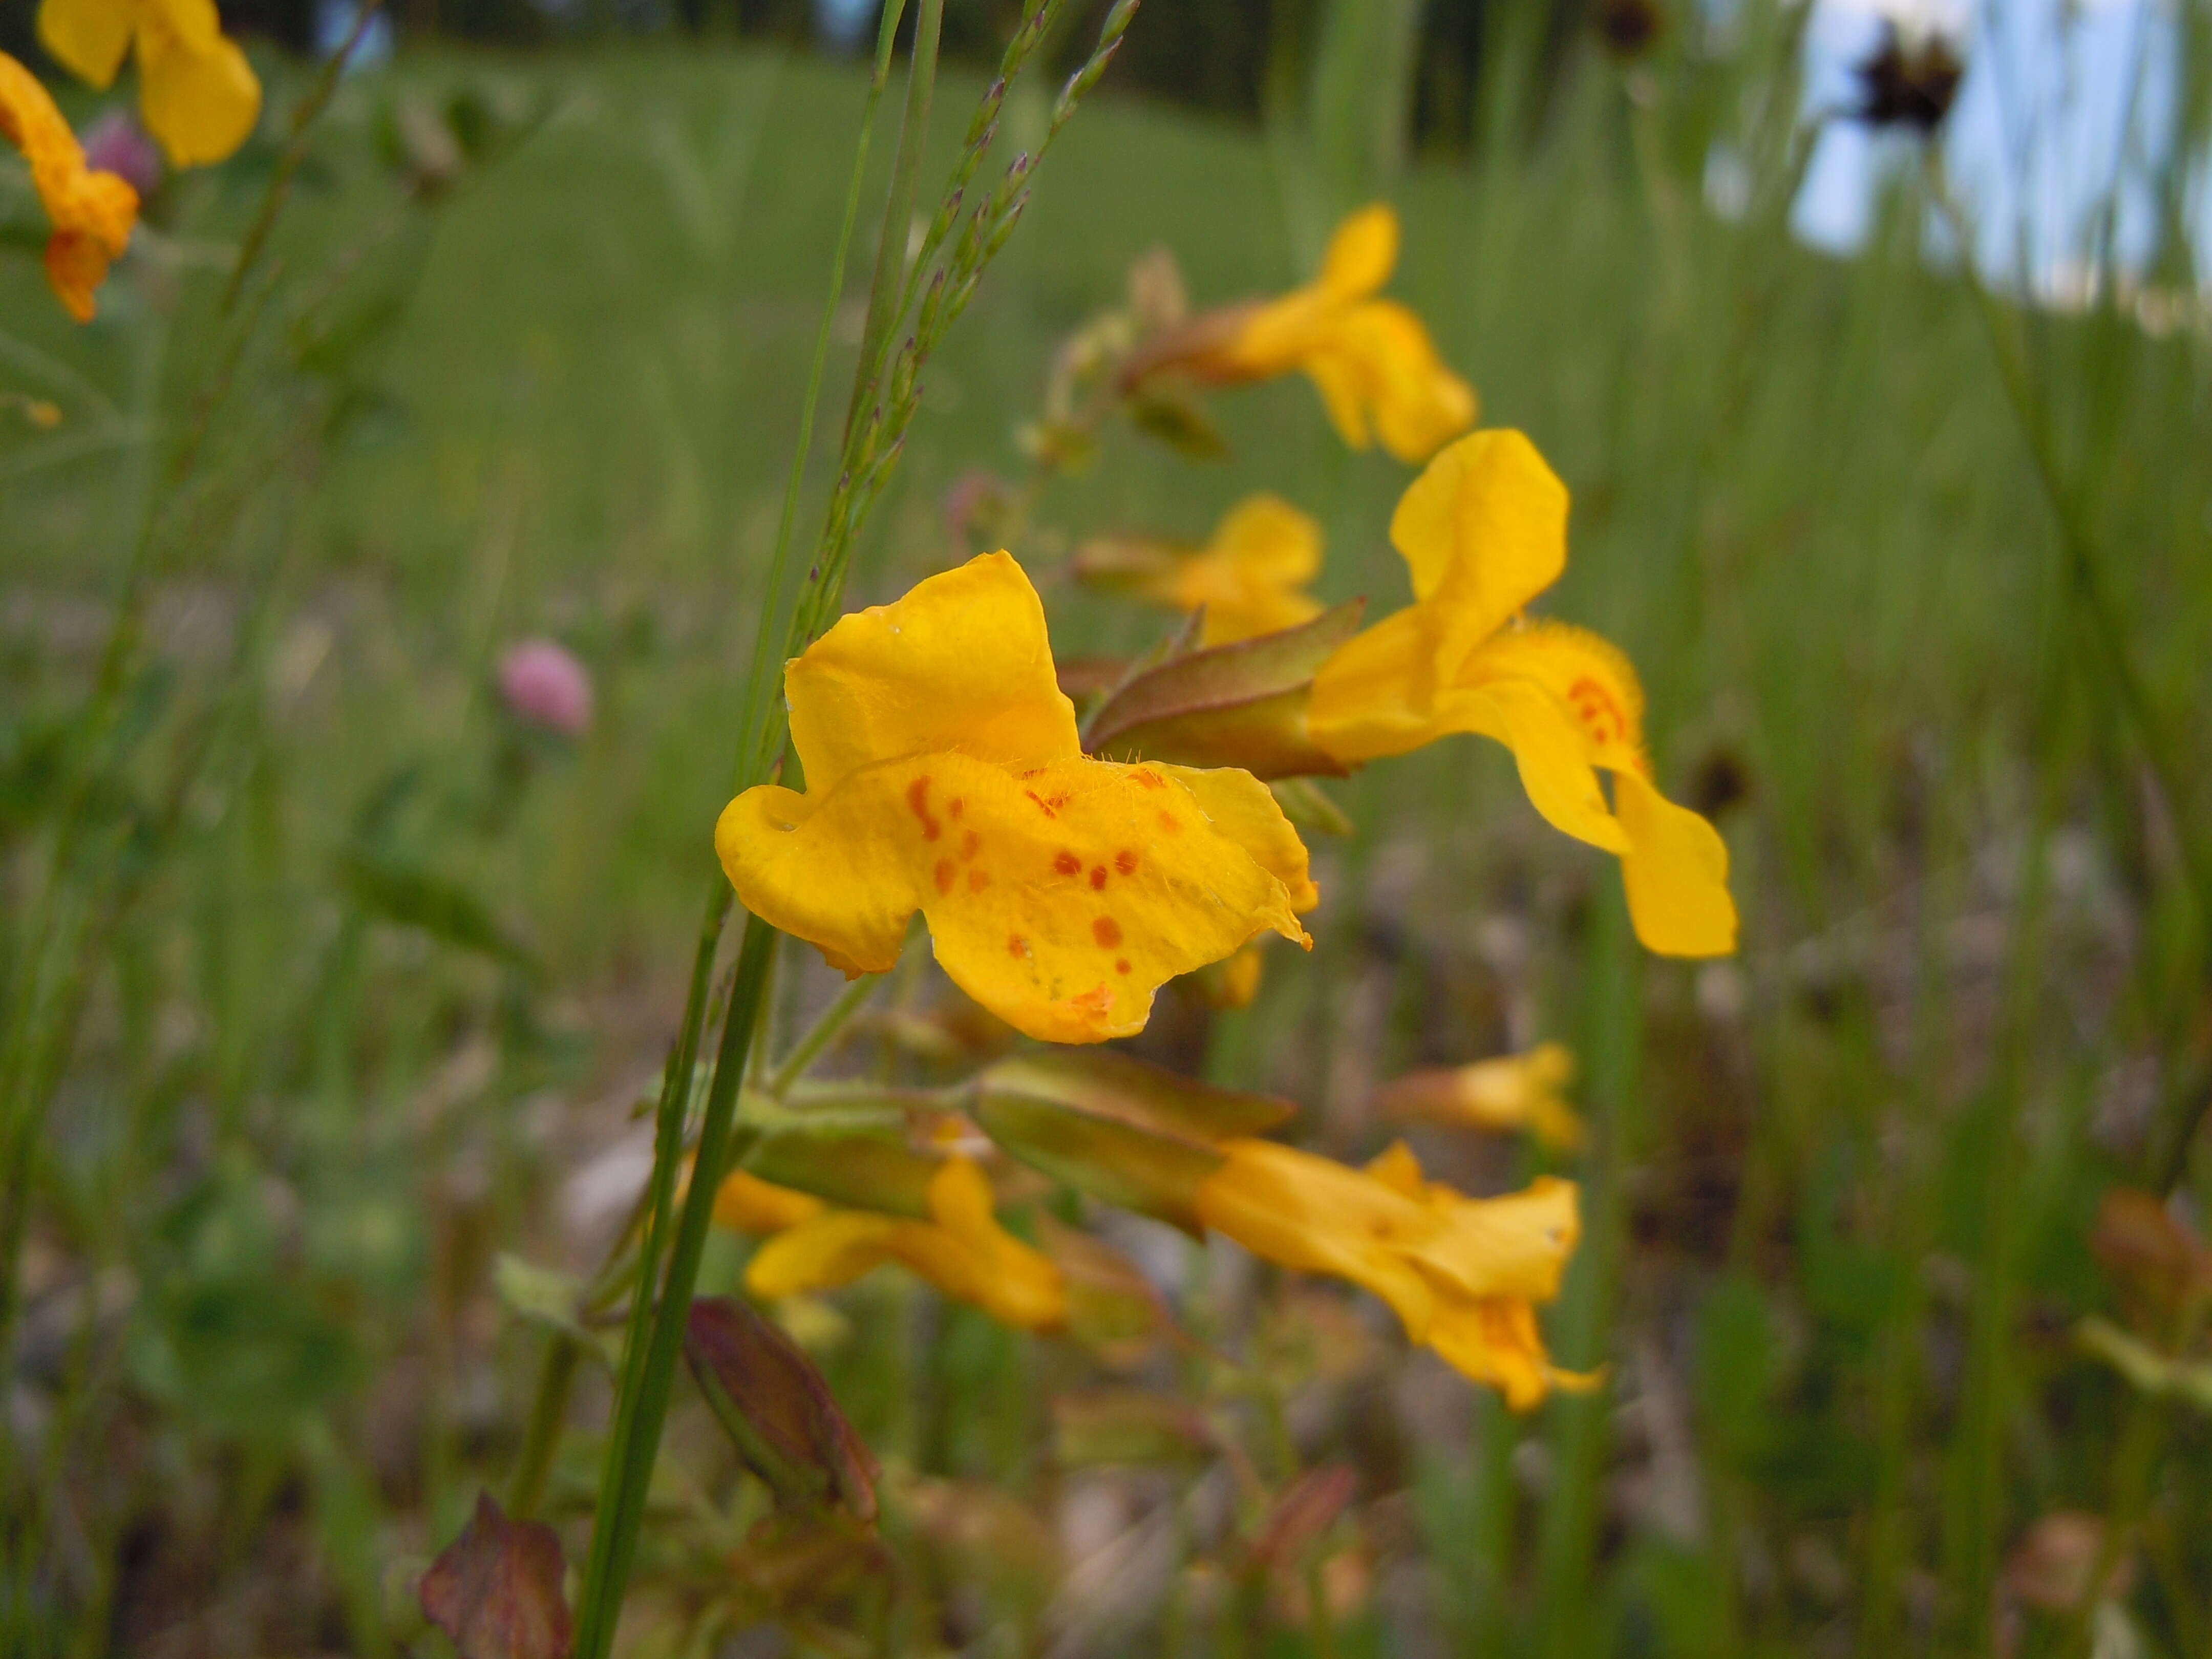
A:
198,94
1371,359
92,212
1485,532
962,1249
943,773
1463,1275
1513,1092
1249,578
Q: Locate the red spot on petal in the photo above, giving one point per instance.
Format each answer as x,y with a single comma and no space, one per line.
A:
917,797
1107,931
978,880
970,844
1122,964
1067,864
945,875
1048,807
1017,945
1125,861
1098,1002
955,805
1098,877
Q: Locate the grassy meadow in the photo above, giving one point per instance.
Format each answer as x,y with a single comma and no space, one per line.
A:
338,999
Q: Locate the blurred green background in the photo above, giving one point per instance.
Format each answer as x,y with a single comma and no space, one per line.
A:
367,979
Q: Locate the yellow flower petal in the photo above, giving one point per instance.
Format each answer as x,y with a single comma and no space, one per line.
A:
1676,870
1060,893
1373,363
92,212
1511,1091
746,1203
199,95
1483,530
1313,1215
87,38
1462,1273
963,1252
1362,252
962,661
1251,576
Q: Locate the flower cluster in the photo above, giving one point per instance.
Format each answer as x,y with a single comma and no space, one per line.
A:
196,92
1066,872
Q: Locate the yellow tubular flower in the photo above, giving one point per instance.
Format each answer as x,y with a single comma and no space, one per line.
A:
1484,531
1372,360
943,773
1462,1274
962,1250
1513,1092
1251,577
91,212
196,90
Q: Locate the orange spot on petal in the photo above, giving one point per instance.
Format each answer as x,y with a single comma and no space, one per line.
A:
1125,861
1107,931
1149,780
1171,824
970,844
1098,877
1067,864
1122,964
1017,945
978,880
917,797
955,805
945,875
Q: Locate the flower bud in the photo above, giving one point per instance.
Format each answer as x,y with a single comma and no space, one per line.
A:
543,684
768,1393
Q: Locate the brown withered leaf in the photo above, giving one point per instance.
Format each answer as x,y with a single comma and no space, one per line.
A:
1242,705
495,1590
768,1393
2158,1266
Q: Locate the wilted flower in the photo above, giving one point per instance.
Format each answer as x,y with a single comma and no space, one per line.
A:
962,1249
1372,360
943,773
1249,578
1909,86
1513,1092
773,1402
543,684
197,91
92,212
117,145
1463,1274
1484,531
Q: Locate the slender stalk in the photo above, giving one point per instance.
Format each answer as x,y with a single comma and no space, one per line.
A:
632,1451
833,1020
898,208
549,1413
754,750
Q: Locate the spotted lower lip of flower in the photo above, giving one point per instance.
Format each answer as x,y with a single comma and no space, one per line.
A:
92,212
1249,578
1512,1091
1484,531
1462,1274
199,95
962,1249
943,773
1373,363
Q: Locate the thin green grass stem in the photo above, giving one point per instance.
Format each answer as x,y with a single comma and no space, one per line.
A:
889,279
821,1035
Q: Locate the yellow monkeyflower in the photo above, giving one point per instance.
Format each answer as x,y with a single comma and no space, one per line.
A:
1484,531
196,90
1462,1274
1513,1092
92,212
962,1249
1373,363
1249,578
943,773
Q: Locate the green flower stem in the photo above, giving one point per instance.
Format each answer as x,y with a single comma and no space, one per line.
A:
810,1047
549,1413
635,1444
